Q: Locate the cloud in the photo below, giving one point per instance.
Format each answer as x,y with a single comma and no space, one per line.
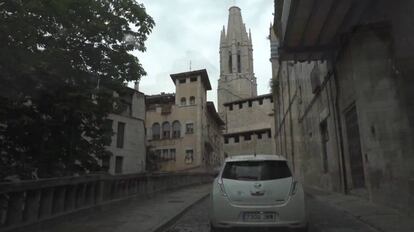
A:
189,30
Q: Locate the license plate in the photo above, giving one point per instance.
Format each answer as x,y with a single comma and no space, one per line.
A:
259,216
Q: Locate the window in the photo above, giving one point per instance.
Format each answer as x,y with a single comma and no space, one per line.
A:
247,137
192,100
261,102
256,170
230,107
250,103
324,139
156,131
189,128
241,105
236,139
259,135
164,154
157,155
166,130
238,62
172,154
193,79
183,101
106,163
182,81
226,140
269,134
176,129
119,160
189,158
108,128
120,135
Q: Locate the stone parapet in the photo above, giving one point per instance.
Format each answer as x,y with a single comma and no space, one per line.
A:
27,202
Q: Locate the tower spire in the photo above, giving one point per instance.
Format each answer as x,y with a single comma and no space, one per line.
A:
223,35
237,80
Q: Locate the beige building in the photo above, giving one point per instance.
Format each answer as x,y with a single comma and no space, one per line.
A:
344,96
128,141
184,129
248,117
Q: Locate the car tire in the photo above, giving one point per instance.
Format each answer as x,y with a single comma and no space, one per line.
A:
214,229
303,229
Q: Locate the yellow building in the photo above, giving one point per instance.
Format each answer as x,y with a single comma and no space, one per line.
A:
184,129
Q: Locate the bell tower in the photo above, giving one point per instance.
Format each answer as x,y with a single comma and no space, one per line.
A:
237,80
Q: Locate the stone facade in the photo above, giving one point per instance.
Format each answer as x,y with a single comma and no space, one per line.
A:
346,123
248,117
184,129
128,141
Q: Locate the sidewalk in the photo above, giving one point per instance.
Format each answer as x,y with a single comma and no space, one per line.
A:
134,214
378,217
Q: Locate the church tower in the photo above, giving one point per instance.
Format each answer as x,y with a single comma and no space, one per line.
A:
237,80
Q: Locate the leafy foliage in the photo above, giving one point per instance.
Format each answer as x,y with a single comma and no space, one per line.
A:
60,63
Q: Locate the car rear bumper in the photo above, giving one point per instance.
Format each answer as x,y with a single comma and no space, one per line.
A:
225,214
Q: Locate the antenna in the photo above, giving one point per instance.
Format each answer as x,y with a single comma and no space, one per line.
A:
190,65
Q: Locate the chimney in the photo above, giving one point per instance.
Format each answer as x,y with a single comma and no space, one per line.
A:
136,85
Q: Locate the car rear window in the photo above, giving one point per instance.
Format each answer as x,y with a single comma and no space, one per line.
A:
256,170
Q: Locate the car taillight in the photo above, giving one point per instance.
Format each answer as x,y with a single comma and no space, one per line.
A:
294,188
221,186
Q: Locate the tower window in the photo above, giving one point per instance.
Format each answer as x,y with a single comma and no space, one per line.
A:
236,139
247,137
192,100
238,62
230,63
183,101
189,128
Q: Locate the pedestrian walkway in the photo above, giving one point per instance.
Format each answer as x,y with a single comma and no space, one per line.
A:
134,214
378,217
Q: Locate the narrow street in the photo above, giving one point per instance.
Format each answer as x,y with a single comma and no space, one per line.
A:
322,218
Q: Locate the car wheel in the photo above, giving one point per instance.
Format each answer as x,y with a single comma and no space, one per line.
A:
303,229
214,229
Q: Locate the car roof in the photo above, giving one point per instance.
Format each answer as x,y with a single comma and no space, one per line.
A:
254,157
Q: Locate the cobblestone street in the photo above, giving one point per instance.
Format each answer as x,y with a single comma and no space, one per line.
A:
322,217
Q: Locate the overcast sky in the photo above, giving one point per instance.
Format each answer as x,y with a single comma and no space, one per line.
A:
188,30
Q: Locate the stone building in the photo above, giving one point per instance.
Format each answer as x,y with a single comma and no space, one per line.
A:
184,129
248,117
344,102
128,141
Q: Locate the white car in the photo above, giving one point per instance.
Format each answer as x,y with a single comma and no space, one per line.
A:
257,191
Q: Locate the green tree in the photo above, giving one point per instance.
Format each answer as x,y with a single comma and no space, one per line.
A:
60,63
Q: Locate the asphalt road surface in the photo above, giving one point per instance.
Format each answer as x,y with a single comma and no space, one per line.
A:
322,218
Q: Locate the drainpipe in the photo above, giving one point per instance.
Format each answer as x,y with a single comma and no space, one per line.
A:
339,123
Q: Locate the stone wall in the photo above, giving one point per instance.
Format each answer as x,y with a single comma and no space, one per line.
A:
251,116
371,76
